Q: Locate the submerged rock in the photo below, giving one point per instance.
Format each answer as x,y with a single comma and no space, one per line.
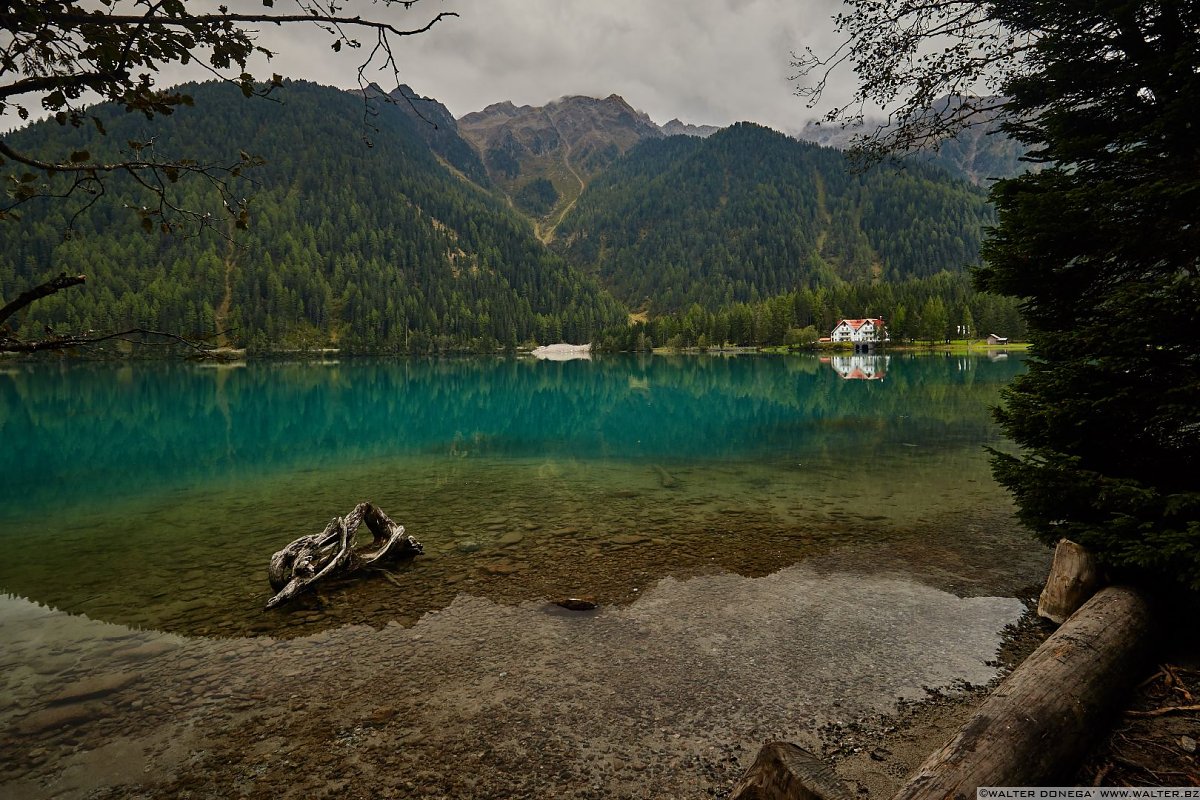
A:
502,568
577,603
55,717
146,651
97,686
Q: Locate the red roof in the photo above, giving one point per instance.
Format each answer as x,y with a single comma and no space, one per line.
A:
858,323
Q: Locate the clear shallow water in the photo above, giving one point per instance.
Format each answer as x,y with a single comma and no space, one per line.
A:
152,495
779,546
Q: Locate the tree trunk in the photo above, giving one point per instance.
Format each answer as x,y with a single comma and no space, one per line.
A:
1035,727
1074,577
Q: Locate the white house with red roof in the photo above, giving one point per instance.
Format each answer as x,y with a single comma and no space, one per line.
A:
858,330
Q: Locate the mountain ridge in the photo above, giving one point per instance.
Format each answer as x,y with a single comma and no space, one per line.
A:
750,212
542,157
981,153
380,248
409,245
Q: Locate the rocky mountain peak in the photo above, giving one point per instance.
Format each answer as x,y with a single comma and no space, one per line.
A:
677,127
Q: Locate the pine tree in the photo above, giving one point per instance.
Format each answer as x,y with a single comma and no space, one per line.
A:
1104,245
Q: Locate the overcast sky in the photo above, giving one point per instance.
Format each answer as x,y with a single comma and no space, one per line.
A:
703,61
711,62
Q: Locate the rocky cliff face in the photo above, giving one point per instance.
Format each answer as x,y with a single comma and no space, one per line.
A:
584,132
535,152
542,157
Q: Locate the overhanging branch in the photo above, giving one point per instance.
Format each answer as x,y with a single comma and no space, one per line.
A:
69,341
63,281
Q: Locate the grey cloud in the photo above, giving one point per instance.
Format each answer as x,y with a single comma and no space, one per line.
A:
704,61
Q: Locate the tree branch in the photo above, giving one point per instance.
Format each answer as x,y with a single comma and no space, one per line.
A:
11,345
118,166
46,289
43,83
9,21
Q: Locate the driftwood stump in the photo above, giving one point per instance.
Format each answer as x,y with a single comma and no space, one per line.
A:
1074,578
332,553
784,771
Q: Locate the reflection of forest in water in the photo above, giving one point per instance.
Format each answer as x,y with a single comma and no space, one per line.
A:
196,474
85,429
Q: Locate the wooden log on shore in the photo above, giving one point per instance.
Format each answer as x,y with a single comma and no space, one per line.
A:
784,771
1035,727
1074,577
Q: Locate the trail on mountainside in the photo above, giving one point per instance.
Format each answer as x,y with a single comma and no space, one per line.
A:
221,315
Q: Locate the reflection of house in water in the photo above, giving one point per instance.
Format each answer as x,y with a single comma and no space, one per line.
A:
859,368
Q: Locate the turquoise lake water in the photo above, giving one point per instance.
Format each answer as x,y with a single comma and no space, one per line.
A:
782,549
153,494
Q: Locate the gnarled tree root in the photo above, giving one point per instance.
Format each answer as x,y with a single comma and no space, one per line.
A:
332,553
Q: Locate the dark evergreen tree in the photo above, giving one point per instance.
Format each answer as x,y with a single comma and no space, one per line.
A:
1104,245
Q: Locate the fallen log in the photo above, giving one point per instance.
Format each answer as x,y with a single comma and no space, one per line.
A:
333,554
1035,727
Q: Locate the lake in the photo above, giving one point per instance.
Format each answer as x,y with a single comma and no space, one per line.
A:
750,526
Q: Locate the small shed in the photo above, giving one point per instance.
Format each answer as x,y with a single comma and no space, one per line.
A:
994,339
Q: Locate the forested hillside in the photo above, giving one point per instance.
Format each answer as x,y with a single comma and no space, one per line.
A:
749,213
367,247
933,309
400,243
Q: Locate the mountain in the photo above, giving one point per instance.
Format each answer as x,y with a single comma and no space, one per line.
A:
981,154
677,128
437,127
750,213
422,240
543,156
831,134
381,247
